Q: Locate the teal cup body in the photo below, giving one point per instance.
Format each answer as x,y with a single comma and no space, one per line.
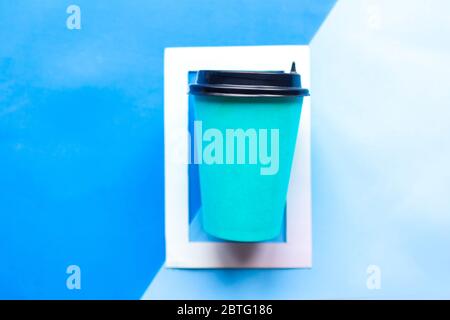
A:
244,145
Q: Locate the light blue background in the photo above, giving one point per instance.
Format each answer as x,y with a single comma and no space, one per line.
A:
380,156
81,136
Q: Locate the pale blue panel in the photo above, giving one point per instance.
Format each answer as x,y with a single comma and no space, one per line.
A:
381,155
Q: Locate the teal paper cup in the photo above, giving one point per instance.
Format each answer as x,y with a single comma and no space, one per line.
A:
245,132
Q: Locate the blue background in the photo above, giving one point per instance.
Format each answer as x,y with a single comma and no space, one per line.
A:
81,132
81,146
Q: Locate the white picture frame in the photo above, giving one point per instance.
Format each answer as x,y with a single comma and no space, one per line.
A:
296,250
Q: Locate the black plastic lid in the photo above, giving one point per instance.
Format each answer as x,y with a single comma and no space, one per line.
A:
248,83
